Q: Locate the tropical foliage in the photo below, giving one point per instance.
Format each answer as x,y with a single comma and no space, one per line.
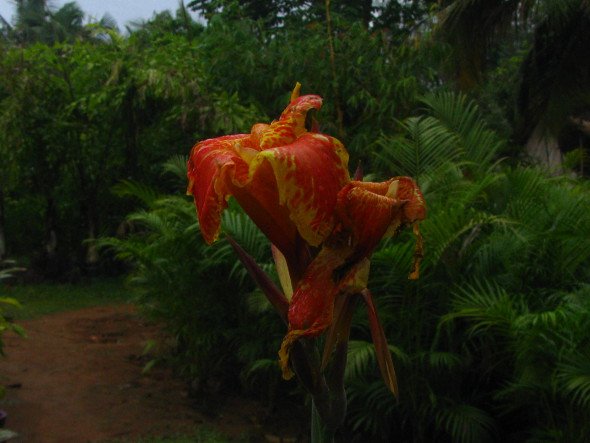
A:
491,343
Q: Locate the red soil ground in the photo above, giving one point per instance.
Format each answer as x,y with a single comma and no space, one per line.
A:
78,378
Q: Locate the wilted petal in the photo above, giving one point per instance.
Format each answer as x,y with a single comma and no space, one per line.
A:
312,305
370,211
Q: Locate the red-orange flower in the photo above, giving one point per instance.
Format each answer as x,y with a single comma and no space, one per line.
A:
295,186
284,177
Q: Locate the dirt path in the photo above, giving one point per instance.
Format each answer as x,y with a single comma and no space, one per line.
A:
77,378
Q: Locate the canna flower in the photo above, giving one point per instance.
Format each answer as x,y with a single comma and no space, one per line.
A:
284,177
295,185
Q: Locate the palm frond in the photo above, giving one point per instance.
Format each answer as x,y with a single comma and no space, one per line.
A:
258,303
466,423
107,21
176,165
443,230
362,358
462,116
555,73
484,306
440,360
130,188
424,147
573,376
471,26
452,131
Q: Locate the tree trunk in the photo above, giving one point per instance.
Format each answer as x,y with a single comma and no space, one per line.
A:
88,211
131,133
544,150
51,265
2,227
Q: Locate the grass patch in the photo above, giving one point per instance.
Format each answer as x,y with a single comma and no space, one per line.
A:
200,435
48,298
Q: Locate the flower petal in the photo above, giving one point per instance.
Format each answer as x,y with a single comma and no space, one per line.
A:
370,211
310,312
219,168
309,196
291,124
312,305
212,166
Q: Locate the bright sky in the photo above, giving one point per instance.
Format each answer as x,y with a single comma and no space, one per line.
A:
122,10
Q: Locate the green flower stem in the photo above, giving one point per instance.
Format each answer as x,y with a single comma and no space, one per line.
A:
319,432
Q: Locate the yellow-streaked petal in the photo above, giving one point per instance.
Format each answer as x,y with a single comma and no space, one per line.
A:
213,166
309,173
291,124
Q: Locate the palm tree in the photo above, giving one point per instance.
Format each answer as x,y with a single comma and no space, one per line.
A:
555,75
31,20
36,21
67,22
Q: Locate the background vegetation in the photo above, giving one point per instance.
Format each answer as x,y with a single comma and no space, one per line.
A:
485,103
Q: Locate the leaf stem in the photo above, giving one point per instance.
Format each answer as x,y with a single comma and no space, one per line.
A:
319,432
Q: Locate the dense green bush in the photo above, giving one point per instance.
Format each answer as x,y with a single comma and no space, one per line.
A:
491,342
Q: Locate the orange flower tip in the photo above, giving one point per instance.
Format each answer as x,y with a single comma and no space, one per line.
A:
189,188
210,239
296,91
301,105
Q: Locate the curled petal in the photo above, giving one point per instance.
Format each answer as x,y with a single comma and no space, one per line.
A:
414,206
273,174
219,168
291,124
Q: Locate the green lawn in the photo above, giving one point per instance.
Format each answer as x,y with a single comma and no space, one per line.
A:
47,298
200,435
